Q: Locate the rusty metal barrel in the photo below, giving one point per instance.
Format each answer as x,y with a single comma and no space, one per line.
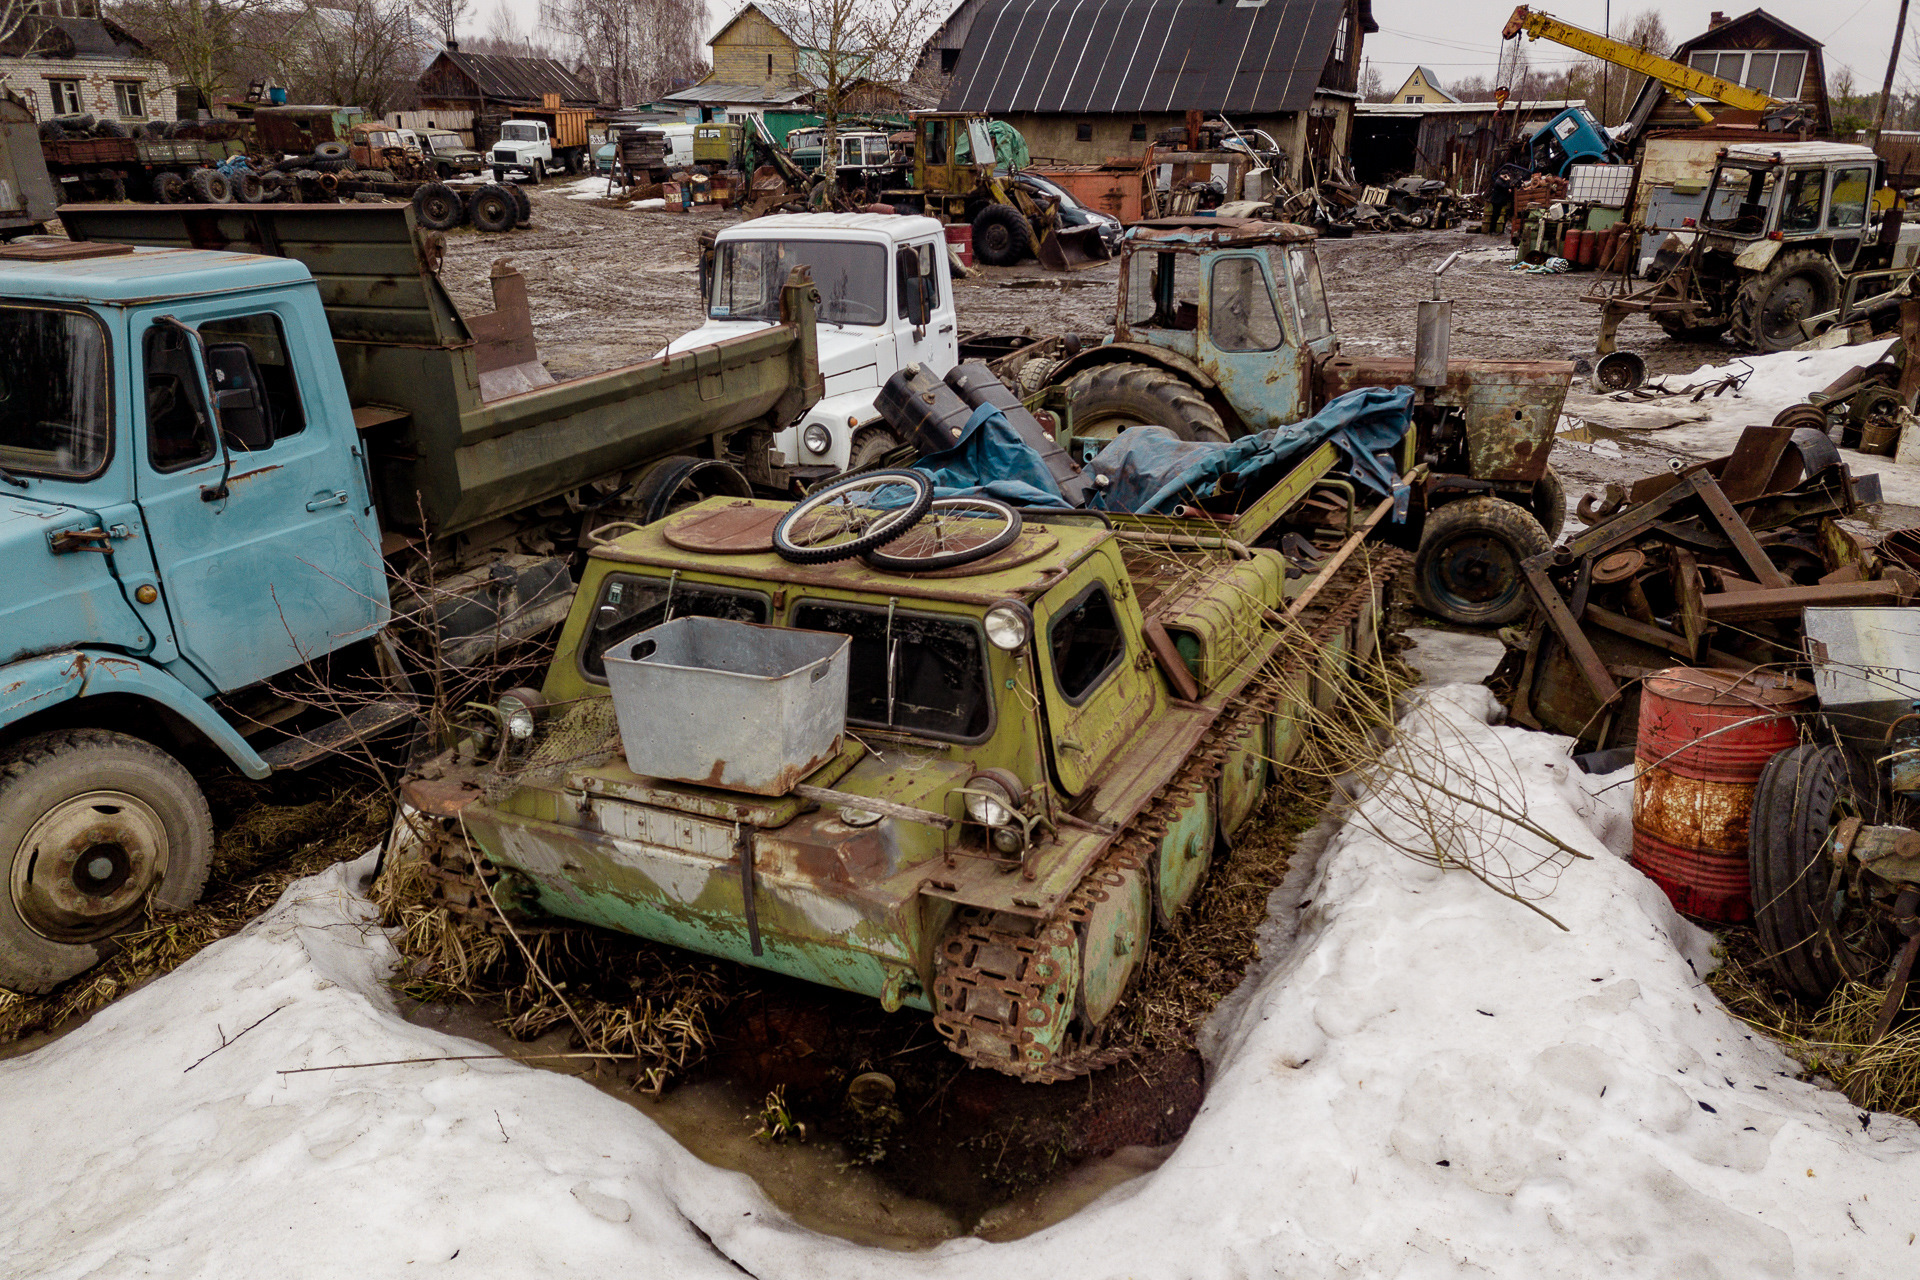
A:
1704,737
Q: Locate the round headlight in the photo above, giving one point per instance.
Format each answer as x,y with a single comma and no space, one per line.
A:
1009,624
817,438
520,710
988,803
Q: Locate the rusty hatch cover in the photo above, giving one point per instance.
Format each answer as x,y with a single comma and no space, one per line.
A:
737,529
1707,687
62,251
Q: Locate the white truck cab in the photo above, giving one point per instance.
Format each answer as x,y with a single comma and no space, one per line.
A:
886,301
524,146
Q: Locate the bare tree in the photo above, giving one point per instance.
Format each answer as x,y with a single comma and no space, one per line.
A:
1373,87
443,16
636,48
364,53
204,41
506,37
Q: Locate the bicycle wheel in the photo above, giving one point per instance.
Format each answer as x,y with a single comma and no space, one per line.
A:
839,520
955,531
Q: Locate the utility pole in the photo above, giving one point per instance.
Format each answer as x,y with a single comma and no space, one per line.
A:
1893,61
1606,68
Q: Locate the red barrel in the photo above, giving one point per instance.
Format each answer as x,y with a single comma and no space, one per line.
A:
1704,737
960,236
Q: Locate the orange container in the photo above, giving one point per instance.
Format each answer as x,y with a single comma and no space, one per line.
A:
1574,246
1704,737
960,236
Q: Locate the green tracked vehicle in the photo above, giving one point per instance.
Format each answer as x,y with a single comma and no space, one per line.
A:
1041,752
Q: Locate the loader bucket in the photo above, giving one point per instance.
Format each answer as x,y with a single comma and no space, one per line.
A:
1073,248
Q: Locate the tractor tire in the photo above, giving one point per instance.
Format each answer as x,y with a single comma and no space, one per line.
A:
94,827
1467,570
1112,397
249,188
1769,307
210,186
522,203
169,187
1680,331
76,126
492,208
437,207
1002,236
1548,503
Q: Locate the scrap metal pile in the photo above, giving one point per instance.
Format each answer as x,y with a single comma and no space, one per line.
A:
1708,566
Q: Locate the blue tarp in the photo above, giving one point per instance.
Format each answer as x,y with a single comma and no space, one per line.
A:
990,459
1151,470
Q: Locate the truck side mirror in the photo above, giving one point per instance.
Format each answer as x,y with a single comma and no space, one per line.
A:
913,287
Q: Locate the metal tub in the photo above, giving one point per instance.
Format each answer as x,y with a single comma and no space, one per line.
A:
729,704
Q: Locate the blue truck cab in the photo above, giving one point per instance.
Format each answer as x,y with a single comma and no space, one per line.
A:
1570,138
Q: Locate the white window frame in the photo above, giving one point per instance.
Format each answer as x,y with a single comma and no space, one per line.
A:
1746,64
130,99
58,90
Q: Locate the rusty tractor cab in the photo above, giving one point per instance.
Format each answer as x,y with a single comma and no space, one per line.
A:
1794,237
385,147
1221,329
953,178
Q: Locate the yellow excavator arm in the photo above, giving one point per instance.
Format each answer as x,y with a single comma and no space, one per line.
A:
1680,80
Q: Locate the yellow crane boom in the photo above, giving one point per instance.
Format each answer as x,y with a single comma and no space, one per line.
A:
1680,80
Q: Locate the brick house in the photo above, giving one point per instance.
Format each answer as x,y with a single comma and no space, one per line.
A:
66,59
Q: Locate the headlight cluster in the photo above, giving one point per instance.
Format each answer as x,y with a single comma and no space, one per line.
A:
997,801
816,438
1009,625
521,711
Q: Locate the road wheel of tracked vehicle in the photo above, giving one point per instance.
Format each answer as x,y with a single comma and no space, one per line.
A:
1548,503
169,187
1113,941
93,826
1112,397
438,207
210,186
492,208
1813,924
1768,309
1002,237
1185,852
522,204
1467,570
681,482
1243,781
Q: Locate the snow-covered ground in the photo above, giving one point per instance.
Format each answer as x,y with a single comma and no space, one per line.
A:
1711,426
1420,1079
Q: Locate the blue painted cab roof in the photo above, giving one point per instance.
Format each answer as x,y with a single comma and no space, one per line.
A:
146,274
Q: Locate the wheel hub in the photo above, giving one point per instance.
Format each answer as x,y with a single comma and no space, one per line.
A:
87,866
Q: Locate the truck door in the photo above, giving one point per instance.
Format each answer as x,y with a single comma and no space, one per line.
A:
267,549
1097,691
1245,346
923,306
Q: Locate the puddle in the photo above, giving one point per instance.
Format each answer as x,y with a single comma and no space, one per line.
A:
815,1181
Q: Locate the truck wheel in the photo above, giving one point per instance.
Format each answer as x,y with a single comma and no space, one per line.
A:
169,187
110,129
870,444
499,174
1112,397
116,188
680,482
437,207
1768,309
522,204
93,826
1548,503
249,189
492,209
1467,570
51,131
210,186
536,171
1001,236
1815,933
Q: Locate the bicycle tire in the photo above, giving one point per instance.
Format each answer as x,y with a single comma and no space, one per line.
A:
928,546
888,525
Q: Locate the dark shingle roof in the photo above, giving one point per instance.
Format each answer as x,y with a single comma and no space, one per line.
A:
506,79
1099,56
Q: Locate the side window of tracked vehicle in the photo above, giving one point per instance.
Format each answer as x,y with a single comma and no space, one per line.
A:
909,671
1241,315
629,605
1086,644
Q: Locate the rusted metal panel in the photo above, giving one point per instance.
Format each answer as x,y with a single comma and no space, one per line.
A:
1512,407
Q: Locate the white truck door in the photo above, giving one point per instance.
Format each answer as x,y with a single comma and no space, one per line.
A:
920,272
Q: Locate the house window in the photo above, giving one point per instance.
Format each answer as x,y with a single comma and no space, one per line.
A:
949,59
130,99
1776,73
1139,131
1083,132
769,64
65,96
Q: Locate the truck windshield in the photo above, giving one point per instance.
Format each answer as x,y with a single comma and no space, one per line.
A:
852,279
1741,198
53,393
519,133
909,671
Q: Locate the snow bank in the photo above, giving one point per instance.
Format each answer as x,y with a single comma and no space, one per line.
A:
1422,1079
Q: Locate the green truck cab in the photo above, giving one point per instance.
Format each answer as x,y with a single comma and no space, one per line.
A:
1040,753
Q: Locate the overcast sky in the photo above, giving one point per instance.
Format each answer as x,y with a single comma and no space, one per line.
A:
1459,39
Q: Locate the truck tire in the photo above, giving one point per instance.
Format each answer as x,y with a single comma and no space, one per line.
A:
674,483
536,171
80,124
1768,309
51,131
499,174
169,187
116,188
210,186
94,826
1548,503
492,208
1112,397
1467,570
330,157
438,207
870,444
249,188
1002,237
110,129
522,203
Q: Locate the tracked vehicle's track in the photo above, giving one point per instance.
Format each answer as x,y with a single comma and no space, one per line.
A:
993,986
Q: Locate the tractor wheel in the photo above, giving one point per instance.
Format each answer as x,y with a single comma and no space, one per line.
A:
1548,503
1112,397
93,826
438,207
1768,309
492,208
1680,331
1002,236
1467,570
522,204
210,186
1815,930
169,187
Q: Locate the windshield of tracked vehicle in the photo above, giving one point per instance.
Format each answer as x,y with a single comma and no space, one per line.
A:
852,279
53,393
1741,198
908,671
